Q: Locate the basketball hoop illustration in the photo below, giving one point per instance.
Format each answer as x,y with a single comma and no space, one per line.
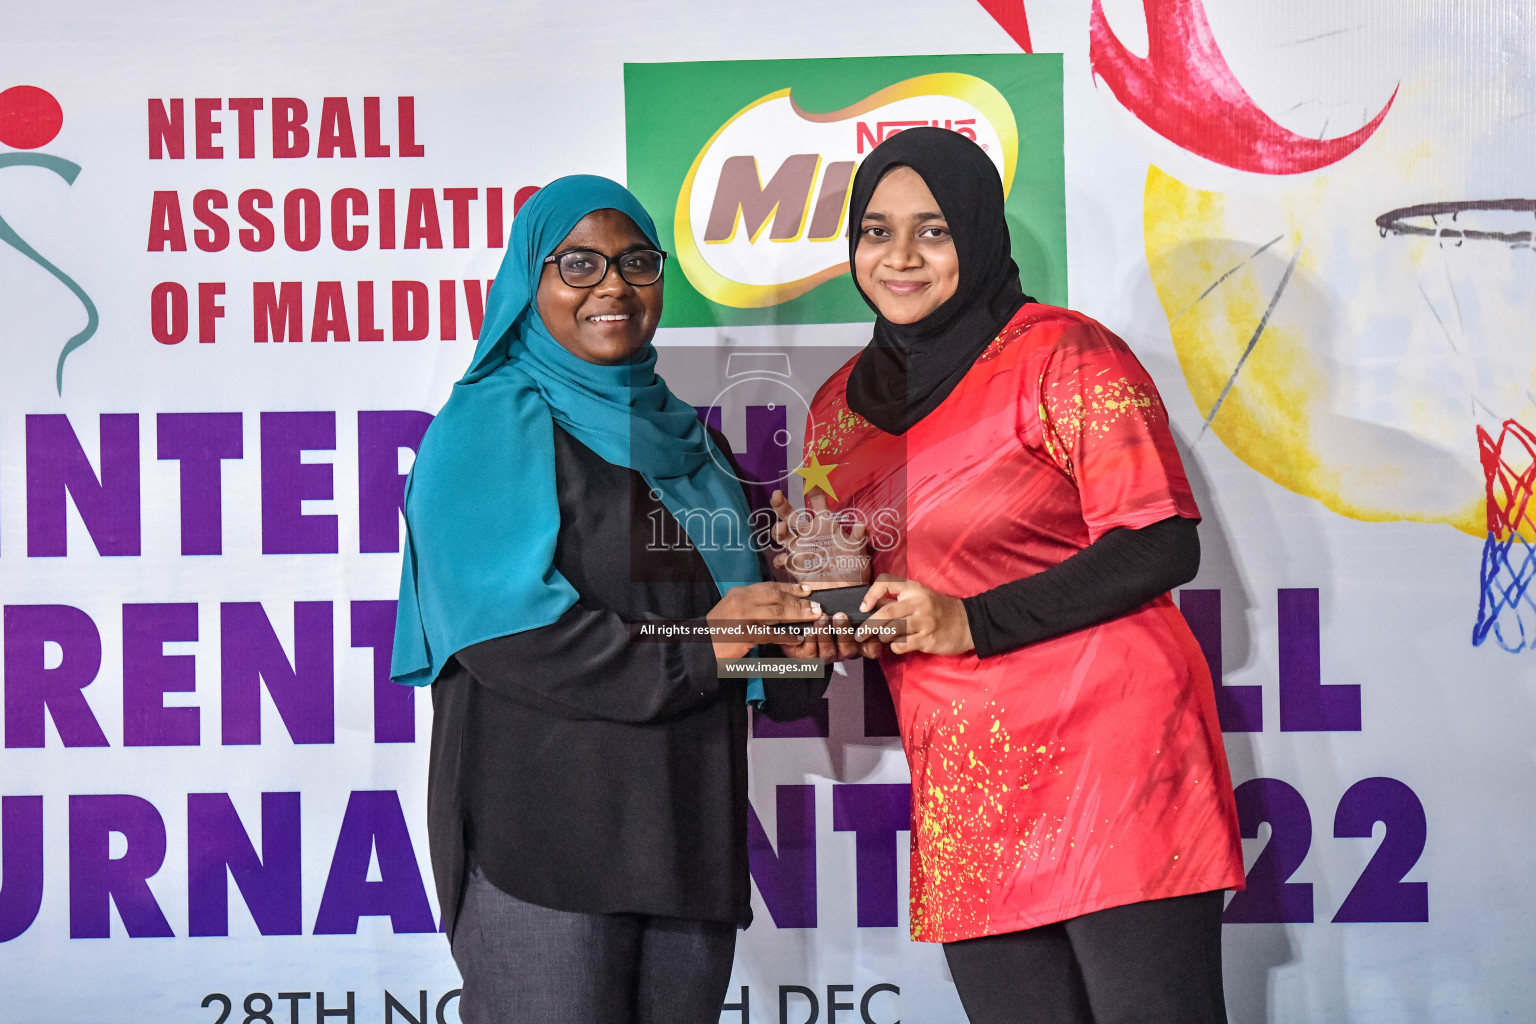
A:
1488,220
1506,447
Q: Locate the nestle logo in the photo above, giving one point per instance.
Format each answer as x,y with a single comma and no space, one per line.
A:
885,129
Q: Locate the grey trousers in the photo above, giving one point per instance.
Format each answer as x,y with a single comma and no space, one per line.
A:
526,964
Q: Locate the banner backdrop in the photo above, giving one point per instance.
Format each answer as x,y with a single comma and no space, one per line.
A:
246,250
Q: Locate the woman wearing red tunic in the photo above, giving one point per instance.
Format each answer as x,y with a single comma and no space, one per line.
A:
1073,822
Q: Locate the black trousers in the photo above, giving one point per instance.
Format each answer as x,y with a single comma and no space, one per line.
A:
526,964
1157,962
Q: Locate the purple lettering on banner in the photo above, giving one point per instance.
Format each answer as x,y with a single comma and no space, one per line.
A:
787,879
97,880
1380,894
374,826
817,723
764,461
380,484
21,863
394,705
879,709
251,655
219,847
30,688
200,441
1239,708
149,673
874,813
1270,897
1306,705
286,482
108,506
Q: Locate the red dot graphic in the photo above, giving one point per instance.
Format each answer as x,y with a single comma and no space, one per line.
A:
29,117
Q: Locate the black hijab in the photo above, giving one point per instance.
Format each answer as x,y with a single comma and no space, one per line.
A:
906,370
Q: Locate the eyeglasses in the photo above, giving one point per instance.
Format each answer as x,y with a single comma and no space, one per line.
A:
584,268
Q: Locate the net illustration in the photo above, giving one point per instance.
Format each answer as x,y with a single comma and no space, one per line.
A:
1507,607
1506,610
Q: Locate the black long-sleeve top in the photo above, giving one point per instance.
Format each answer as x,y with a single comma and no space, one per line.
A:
585,771
1117,573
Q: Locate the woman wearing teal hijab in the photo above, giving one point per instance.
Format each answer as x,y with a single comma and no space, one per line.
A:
587,798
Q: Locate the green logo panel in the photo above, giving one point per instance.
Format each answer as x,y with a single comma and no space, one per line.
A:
745,167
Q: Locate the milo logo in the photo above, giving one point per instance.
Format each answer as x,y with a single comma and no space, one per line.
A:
760,216
758,201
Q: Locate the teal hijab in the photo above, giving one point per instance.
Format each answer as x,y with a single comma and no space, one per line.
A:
481,511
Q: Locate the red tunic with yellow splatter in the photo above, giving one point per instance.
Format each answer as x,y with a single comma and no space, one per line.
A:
1075,774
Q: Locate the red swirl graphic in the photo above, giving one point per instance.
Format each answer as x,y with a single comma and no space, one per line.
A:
1185,91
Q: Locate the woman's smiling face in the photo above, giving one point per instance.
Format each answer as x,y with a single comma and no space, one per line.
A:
905,261
610,321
